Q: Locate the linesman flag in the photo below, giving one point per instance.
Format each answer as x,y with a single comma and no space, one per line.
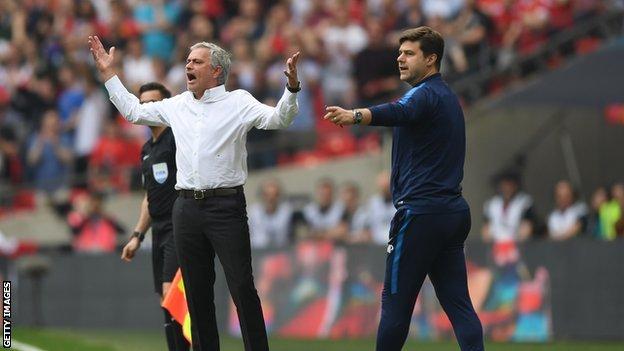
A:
175,303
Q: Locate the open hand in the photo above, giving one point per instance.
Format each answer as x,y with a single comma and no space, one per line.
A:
103,60
291,70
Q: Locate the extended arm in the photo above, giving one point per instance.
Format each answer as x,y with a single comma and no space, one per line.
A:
148,114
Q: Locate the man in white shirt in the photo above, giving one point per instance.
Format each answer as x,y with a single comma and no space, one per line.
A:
567,218
210,126
270,220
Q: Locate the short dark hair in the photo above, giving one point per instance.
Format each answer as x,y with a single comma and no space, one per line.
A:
164,92
431,41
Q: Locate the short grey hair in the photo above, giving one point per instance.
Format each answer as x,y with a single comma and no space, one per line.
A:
219,57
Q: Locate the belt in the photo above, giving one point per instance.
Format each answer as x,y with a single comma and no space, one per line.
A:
204,193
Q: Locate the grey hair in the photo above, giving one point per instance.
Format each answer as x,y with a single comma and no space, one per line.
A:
219,57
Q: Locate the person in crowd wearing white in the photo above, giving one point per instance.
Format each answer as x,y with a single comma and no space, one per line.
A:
270,220
509,216
569,217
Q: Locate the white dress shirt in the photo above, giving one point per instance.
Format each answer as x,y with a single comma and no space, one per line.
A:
210,132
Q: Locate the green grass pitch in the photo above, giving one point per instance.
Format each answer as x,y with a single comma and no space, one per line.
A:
82,340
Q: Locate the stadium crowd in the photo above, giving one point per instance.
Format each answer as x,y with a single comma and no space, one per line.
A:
339,213
59,132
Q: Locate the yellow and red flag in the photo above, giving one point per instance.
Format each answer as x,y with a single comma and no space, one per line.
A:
175,303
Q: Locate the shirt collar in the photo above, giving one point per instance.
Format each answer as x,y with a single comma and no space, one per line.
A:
213,94
431,77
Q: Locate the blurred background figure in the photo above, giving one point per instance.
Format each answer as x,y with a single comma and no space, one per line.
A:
325,212
509,215
352,227
93,229
50,156
569,218
270,220
381,210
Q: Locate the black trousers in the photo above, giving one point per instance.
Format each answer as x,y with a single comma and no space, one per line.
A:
203,228
421,245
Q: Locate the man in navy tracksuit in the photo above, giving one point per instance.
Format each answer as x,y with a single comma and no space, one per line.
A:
433,220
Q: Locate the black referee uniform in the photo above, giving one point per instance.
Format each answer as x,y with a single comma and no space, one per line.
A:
159,178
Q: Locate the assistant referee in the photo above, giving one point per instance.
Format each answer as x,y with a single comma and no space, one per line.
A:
432,221
158,169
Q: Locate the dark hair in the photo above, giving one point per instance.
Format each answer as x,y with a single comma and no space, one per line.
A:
164,92
431,42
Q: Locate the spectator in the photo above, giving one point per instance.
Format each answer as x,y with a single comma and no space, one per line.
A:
325,213
611,212
270,221
343,39
49,155
94,231
112,160
471,28
569,217
11,167
156,20
70,98
352,227
380,84
89,117
595,224
138,68
381,210
509,216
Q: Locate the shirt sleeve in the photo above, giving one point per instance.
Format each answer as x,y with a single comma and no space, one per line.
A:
409,110
261,116
150,114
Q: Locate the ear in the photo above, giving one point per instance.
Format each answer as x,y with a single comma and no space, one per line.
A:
217,72
431,59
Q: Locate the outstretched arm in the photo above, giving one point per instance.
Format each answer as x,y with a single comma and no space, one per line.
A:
151,113
263,116
341,117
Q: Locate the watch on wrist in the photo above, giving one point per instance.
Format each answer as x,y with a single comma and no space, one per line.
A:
138,235
357,117
295,89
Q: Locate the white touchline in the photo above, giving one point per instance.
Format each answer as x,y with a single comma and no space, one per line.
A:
20,346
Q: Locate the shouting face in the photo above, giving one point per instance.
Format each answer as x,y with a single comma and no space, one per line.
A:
200,74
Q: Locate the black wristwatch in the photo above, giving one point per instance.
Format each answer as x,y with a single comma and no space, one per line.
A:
295,89
357,117
138,235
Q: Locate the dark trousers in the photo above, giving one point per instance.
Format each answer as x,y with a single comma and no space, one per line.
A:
174,335
203,228
421,245
164,266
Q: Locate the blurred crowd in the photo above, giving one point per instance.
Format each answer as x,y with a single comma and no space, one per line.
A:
58,130
59,134
341,215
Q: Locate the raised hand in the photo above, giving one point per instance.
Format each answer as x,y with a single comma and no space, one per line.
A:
103,60
291,70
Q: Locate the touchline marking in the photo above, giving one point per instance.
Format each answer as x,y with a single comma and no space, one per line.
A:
20,346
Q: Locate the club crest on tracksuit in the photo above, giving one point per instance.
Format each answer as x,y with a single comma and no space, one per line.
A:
161,172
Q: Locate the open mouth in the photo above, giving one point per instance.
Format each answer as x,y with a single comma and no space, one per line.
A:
402,69
190,77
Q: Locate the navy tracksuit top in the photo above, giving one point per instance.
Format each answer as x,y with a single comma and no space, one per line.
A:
428,147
